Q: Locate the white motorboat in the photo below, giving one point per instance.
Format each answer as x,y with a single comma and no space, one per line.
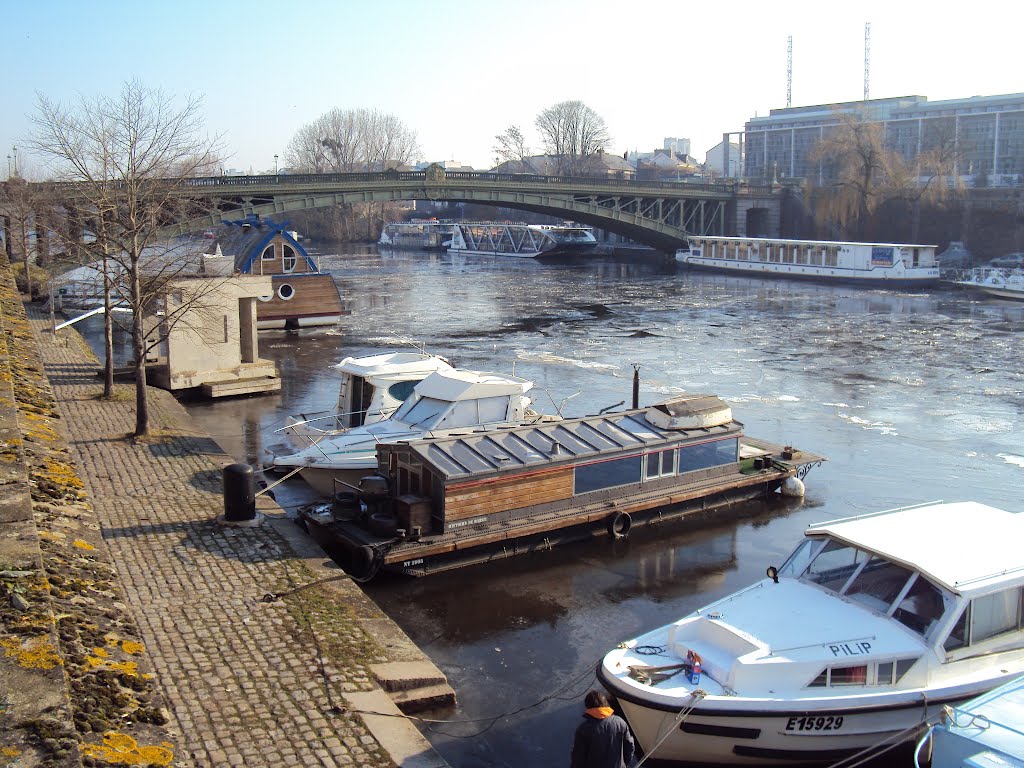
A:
885,265
868,630
445,401
372,388
1002,283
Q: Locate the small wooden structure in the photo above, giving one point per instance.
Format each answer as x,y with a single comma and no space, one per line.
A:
300,295
483,494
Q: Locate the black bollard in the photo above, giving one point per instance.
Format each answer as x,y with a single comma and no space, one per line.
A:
239,493
636,386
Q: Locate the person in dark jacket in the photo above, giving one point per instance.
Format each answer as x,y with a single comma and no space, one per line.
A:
603,739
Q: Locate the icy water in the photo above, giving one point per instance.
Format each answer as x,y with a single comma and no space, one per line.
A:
913,397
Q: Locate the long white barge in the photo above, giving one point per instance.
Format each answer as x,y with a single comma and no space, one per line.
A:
881,264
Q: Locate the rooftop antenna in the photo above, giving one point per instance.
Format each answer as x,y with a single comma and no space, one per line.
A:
867,59
789,71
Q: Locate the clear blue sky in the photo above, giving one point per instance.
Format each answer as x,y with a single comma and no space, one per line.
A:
460,72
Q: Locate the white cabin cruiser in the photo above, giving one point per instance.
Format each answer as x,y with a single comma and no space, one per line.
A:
447,400
372,388
1001,283
872,625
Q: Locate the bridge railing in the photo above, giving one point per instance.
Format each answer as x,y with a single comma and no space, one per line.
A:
726,188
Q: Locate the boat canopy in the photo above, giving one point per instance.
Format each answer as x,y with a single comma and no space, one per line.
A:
970,548
391,363
455,384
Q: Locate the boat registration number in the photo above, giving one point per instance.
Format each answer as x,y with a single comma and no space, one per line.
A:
822,723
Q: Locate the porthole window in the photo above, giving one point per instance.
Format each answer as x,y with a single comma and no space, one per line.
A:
286,291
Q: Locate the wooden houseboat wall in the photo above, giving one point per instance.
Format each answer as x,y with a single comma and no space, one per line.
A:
478,495
302,295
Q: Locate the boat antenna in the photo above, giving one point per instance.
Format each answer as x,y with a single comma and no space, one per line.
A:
561,405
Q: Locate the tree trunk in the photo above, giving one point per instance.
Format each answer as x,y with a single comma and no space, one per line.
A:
108,330
26,257
139,344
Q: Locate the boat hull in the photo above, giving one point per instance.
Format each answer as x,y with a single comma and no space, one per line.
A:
863,277
1001,293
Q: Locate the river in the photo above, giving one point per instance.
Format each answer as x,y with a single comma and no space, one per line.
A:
913,397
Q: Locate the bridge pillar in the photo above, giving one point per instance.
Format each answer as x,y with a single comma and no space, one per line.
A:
758,218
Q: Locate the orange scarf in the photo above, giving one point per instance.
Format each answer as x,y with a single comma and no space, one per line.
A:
600,713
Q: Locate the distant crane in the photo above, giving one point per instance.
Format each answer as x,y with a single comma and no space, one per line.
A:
789,71
867,59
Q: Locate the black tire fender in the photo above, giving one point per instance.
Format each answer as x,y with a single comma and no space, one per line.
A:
619,524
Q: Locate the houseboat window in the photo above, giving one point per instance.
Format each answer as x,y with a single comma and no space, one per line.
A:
290,259
704,455
814,259
801,254
402,389
834,565
661,463
994,614
878,583
787,253
921,607
831,256
468,413
268,253
286,291
608,474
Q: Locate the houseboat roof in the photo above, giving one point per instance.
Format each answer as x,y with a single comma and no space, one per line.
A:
806,242
454,384
967,547
472,454
243,241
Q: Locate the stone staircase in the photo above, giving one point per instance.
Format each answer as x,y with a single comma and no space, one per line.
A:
414,686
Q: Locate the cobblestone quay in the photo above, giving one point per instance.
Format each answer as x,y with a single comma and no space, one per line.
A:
246,682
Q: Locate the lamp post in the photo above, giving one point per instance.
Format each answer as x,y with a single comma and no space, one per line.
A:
15,160
8,166
275,165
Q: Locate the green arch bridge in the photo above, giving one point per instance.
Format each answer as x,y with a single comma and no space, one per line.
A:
659,214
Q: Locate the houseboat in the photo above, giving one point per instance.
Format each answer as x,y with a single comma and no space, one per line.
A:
302,295
476,495
418,234
528,241
886,265
869,629
371,388
447,400
1001,283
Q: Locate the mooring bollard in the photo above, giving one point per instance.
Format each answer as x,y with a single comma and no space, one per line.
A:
239,496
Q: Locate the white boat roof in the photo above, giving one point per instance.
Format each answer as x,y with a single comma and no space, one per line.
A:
392,363
456,384
967,547
805,242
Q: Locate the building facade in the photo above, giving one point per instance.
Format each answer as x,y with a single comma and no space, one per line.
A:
986,133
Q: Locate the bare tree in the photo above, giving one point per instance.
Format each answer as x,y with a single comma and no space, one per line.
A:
348,140
511,146
24,204
129,157
572,132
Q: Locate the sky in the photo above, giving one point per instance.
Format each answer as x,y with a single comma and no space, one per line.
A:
459,72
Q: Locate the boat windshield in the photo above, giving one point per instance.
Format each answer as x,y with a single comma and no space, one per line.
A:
424,412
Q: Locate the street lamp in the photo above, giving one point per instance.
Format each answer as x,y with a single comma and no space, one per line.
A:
8,166
275,165
15,160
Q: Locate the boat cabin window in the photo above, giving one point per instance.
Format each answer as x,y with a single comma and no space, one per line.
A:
857,675
889,672
290,259
802,555
706,455
422,412
661,463
834,565
878,583
921,607
607,474
362,395
470,413
268,253
402,389
986,617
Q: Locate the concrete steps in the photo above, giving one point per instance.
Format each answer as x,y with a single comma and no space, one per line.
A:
241,386
414,686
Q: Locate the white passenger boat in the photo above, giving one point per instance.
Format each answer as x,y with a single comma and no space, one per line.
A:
418,234
522,240
871,626
372,388
447,400
880,264
1002,283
